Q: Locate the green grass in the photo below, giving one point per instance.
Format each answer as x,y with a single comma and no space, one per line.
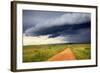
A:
82,51
37,53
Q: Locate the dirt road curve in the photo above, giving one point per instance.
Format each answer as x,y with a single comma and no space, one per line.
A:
67,54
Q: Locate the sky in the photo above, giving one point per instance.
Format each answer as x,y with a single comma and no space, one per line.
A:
52,27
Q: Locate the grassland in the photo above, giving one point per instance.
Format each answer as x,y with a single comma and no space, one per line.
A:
37,53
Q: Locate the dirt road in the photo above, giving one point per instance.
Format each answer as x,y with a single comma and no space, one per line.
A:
67,54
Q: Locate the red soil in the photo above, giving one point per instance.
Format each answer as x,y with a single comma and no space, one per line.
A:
67,54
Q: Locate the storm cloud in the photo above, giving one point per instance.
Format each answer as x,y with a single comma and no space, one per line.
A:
71,26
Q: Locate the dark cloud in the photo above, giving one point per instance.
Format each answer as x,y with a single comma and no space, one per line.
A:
73,26
59,30
83,36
